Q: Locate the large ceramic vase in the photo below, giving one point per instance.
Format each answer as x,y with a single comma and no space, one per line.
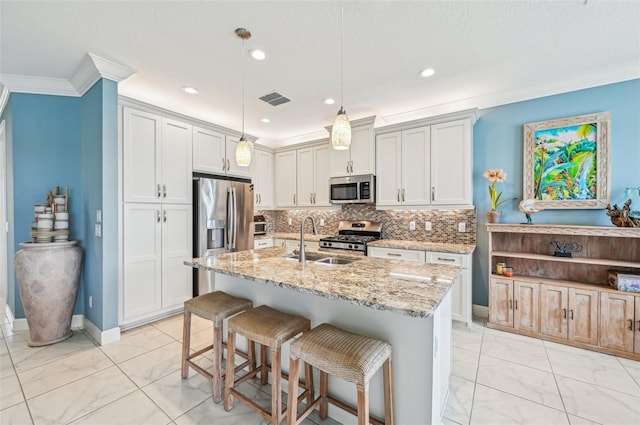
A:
48,277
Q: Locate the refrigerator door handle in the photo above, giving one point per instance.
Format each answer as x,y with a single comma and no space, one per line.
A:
228,221
234,222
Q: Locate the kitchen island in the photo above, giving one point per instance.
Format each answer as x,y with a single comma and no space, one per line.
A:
405,304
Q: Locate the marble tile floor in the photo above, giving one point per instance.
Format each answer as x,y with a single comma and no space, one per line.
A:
497,378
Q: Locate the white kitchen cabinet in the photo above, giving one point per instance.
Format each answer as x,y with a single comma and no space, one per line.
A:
403,178
396,254
295,244
461,291
313,176
157,239
156,158
215,152
262,243
451,163
285,179
262,178
360,157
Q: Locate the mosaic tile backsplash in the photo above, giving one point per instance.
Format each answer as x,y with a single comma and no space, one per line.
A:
395,223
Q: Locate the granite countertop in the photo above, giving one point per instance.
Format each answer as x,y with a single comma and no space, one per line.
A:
451,248
404,287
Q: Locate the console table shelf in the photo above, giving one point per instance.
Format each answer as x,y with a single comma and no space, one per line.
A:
578,260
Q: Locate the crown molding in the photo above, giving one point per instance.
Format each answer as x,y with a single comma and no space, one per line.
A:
87,73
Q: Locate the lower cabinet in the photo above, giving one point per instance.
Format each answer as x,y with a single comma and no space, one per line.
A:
157,240
514,304
397,254
569,313
620,322
262,243
293,243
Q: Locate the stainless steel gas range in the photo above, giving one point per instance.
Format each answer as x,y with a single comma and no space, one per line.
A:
353,236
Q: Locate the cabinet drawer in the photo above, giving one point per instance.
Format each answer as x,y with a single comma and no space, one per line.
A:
397,254
450,259
262,243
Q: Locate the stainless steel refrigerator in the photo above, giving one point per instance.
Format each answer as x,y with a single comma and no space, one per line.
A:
222,221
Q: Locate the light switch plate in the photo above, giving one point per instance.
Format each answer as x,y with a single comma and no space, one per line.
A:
98,216
322,222
412,225
290,222
462,227
427,226
98,230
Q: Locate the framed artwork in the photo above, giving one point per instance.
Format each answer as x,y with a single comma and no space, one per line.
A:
566,162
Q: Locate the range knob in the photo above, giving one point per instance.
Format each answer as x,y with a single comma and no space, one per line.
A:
350,246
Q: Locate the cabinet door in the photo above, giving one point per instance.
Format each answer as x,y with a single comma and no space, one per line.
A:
451,163
142,252
461,297
637,318
263,179
501,302
554,305
526,306
321,178
339,162
176,247
415,189
208,151
616,321
285,179
388,160
176,162
583,316
232,166
362,150
141,156
305,177
262,243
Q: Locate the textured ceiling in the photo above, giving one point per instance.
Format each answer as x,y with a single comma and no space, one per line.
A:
483,52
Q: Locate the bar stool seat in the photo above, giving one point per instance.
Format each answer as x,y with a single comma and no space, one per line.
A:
346,355
270,328
215,306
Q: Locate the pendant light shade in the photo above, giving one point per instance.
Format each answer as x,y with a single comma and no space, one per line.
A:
243,148
243,152
341,130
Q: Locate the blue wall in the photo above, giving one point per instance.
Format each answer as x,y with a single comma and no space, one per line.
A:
498,143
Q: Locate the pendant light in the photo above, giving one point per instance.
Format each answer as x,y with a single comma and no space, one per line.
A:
243,149
341,130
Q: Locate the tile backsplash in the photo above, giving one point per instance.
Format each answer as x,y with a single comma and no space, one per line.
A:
395,223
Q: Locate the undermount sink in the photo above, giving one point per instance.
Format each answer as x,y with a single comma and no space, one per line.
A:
318,258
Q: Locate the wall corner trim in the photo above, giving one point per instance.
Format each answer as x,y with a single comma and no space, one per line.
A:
100,336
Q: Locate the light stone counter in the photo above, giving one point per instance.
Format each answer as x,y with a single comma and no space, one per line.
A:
424,246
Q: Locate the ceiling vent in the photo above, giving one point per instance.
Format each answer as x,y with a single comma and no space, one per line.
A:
274,99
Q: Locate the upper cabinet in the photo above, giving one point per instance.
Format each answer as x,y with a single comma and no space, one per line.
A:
156,158
302,176
285,179
360,158
262,178
215,152
424,165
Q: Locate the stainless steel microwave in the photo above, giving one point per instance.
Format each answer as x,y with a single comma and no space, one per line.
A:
353,189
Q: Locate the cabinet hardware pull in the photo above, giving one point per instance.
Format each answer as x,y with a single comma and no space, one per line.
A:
398,195
511,304
228,165
260,199
159,193
164,216
445,259
638,325
630,324
314,198
347,166
311,198
294,198
402,195
571,314
224,165
515,305
433,193
564,313
257,199
391,254
164,190
158,216
351,166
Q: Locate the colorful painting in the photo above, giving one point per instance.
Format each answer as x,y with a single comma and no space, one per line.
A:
566,163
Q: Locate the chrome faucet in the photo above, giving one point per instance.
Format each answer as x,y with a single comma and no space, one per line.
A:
301,256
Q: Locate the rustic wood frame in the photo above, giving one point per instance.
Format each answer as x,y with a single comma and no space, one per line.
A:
602,120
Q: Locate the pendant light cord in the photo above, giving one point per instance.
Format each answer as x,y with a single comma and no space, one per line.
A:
342,56
242,67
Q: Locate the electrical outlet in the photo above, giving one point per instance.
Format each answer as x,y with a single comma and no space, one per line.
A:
462,227
412,225
427,226
98,216
98,230
90,301
290,222
322,222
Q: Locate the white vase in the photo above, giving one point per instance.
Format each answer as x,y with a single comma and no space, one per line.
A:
48,277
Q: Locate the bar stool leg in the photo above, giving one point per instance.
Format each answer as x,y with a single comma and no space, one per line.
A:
324,404
264,377
229,377
186,343
363,405
276,398
292,399
217,362
388,392
308,380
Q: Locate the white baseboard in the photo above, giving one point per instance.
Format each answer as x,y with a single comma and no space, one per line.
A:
100,336
480,311
19,325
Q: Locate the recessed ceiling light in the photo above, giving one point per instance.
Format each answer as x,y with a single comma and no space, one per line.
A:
257,54
328,101
265,120
190,90
427,72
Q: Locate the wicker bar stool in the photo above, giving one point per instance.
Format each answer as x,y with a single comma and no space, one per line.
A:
352,357
215,306
270,328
